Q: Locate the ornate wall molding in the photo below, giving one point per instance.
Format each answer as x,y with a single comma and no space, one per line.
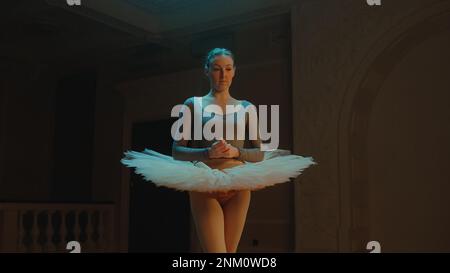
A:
356,111
341,52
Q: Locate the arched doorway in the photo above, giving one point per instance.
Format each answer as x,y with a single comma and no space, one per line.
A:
392,141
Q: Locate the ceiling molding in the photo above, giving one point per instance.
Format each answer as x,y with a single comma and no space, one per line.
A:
233,20
118,15
136,17
226,13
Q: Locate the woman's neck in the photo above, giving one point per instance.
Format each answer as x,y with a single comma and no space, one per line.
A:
220,97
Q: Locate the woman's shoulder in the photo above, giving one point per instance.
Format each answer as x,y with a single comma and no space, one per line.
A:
246,103
189,100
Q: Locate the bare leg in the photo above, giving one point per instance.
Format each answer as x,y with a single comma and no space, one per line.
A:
235,214
209,222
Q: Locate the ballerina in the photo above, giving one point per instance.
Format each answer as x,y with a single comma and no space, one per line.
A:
218,174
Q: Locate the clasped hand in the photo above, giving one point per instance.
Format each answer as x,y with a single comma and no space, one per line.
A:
221,149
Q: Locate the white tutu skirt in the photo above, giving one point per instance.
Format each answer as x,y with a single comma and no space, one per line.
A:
278,166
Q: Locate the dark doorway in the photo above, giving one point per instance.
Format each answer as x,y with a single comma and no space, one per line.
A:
159,217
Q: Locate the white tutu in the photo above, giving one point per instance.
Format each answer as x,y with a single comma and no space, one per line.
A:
278,166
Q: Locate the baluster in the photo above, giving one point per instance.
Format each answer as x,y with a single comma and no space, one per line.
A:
107,229
70,226
42,223
82,223
89,230
95,236
76,226
57,223
35,233
48,228
9,230
27,225
63,231
101,230
50,231
20,244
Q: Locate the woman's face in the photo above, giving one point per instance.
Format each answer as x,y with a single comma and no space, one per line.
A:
221,72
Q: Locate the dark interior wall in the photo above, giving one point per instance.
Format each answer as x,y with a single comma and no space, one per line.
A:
47,130
27,132
47,109
49,136
409,151
3,109
362,76
74,133
107,140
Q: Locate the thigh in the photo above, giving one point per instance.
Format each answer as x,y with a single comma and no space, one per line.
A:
235,214
209,221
